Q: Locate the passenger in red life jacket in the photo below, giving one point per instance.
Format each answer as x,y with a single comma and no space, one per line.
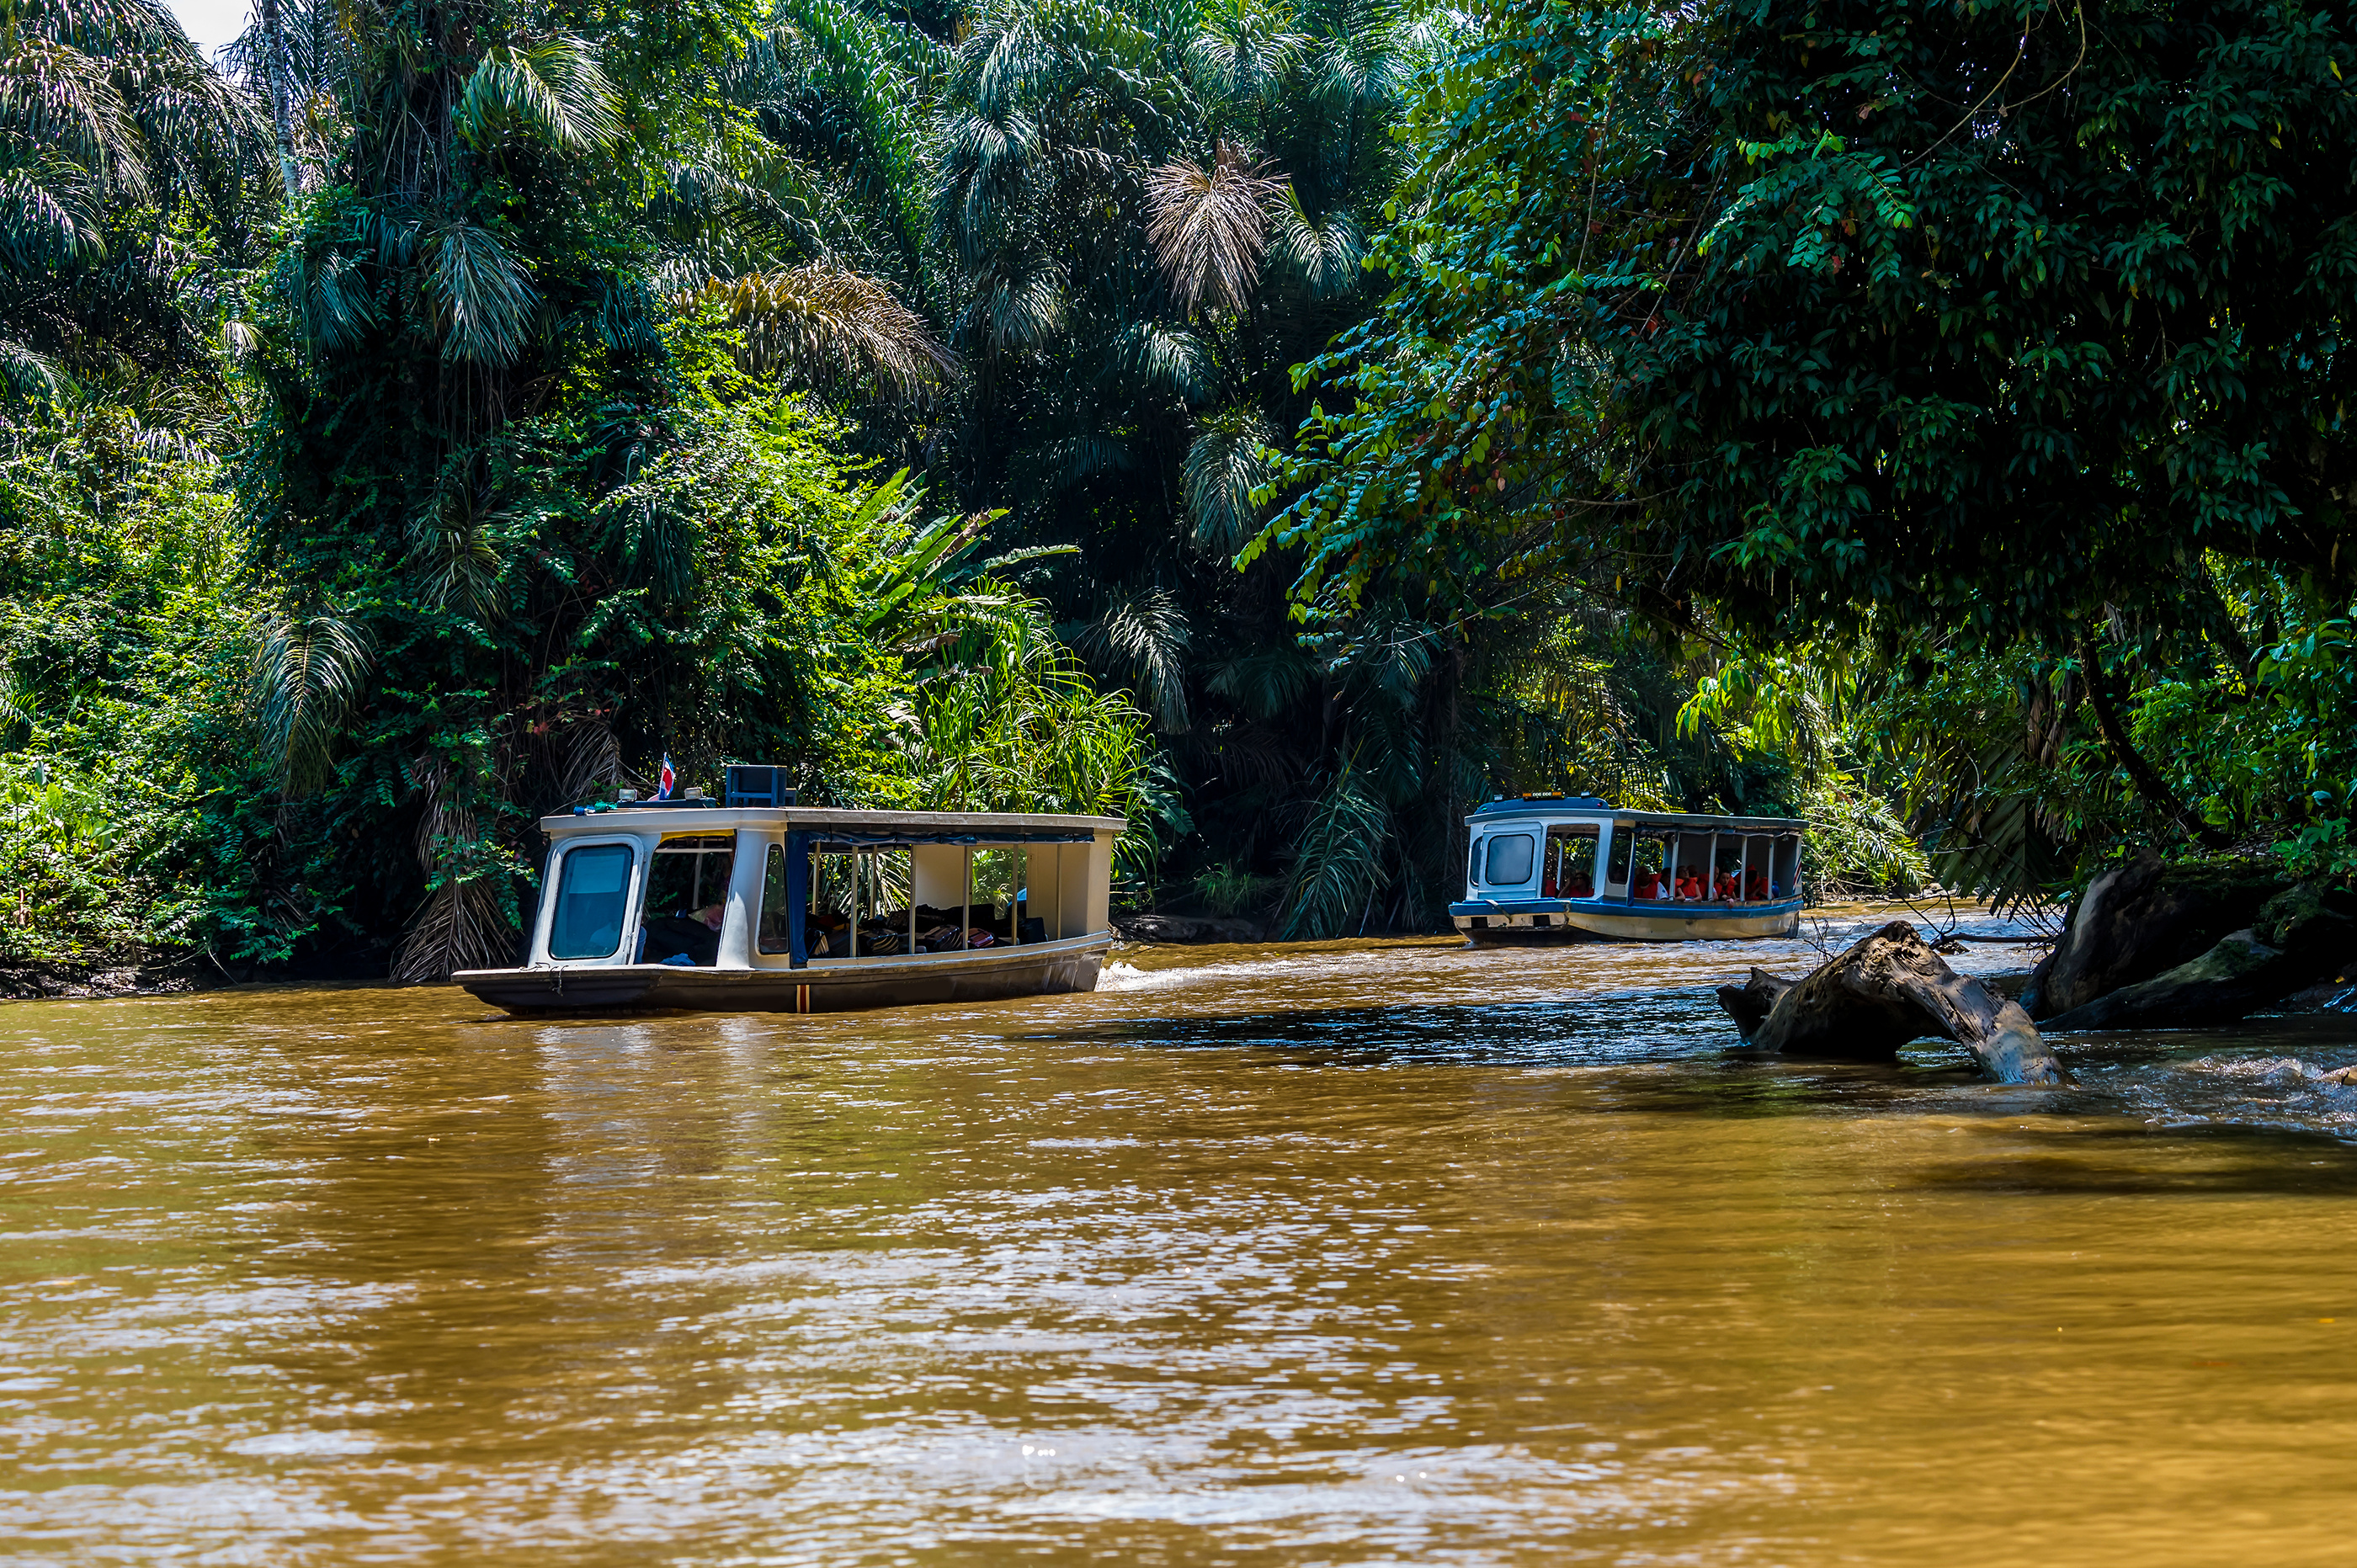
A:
1760,888
1649,884
1724,888
1690,885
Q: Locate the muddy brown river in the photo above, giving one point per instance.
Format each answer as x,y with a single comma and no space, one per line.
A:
1375,1252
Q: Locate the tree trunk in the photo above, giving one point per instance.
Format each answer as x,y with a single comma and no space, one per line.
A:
2101,692
276,72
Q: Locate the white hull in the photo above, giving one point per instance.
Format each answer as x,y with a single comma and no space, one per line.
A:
1621,922
1670,927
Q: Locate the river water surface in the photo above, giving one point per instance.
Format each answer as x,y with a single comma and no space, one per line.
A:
1377,1252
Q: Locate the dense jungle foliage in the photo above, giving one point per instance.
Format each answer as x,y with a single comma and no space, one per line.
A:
1972,377
1281,421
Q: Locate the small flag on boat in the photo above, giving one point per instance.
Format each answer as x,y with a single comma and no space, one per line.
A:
665,779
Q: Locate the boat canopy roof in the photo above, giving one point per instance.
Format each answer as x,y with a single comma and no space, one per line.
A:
1529,806
842,823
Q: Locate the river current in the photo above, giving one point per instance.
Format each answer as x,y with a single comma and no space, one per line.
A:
1383,1251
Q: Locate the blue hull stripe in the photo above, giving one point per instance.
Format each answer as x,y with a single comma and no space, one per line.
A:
1682,909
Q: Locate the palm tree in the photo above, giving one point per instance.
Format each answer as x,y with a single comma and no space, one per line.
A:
111,126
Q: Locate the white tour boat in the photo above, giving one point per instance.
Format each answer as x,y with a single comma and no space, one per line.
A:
755,904
1567,868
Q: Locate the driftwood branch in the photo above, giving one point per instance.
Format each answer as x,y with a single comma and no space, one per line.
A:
1887,989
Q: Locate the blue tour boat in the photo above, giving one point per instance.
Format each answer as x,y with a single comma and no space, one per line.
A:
1546,868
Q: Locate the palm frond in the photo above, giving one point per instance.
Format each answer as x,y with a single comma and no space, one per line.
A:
466,923
1017,311
59,98
1341,860
1145,634
1167,360
1245,50
456,546
1264,684
825,324
484,299
1085,455
329,296
1209,224
552,91
1325,259
49,216
306,671
31,375
1227,462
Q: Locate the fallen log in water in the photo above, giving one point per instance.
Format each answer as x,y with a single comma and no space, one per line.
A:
1887,989
1750,1003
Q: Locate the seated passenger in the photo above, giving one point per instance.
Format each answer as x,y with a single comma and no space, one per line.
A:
1581,887
826,933
1690,885
1649,884
1724,889
684,935
1759,887
1548,887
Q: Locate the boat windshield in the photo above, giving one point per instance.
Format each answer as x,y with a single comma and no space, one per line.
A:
592,885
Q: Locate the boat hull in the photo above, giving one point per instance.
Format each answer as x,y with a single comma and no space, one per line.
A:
1541,923
841,985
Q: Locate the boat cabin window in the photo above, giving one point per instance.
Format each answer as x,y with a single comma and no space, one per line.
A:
1001,894
687,892
1617,873
771,934
1568,868
1648,871
859,902
1510,859
1690,868
592,883
892,900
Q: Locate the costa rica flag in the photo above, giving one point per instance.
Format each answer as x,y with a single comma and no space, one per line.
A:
665,779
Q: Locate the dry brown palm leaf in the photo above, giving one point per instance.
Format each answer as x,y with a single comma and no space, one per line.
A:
463,925
1209,224
827,325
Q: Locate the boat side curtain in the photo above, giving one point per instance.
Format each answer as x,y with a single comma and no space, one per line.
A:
798,853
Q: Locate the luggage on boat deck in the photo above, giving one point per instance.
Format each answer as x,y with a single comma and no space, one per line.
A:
683,938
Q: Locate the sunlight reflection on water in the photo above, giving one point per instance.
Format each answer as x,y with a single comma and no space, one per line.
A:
1375,1252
